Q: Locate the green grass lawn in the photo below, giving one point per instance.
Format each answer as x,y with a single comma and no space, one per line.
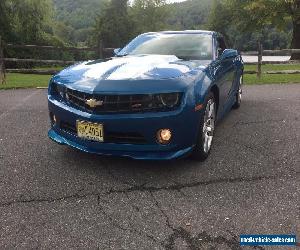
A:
25,81
272,79
273,67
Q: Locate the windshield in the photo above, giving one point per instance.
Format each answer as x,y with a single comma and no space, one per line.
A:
184,46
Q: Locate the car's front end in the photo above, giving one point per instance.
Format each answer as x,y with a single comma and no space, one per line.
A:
142,126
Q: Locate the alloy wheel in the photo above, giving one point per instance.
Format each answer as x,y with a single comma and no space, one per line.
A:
209,125
240,91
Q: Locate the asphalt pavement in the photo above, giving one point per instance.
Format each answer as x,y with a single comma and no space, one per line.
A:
52,196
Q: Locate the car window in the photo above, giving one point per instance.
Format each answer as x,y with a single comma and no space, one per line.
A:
221,45
185,46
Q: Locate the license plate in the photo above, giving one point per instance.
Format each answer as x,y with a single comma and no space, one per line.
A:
90,131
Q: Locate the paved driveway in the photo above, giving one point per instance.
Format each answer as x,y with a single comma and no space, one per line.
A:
54,196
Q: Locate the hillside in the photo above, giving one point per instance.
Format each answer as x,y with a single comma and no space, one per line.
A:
75,19
78,14
192,14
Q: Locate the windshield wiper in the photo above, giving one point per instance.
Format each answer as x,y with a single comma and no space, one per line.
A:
185,58
121,55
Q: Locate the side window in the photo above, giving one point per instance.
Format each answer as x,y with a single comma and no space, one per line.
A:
221,45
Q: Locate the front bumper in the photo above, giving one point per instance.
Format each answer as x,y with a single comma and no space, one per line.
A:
182,122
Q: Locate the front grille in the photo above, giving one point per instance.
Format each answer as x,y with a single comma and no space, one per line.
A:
115,103
109,137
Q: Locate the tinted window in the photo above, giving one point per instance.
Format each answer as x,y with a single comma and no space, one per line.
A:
185,46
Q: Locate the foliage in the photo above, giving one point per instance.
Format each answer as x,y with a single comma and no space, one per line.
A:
5,20
24,29
113,26
192,14
74,20
119,22
148,15
257,19
85,22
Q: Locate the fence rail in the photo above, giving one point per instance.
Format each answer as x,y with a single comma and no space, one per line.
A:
100,51
94,49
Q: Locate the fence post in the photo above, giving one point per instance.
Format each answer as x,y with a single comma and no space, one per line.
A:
259,63
2,66
100,49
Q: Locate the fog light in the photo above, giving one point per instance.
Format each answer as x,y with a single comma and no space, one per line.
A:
53,119
164,136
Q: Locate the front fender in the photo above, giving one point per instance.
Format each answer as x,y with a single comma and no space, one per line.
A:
202,87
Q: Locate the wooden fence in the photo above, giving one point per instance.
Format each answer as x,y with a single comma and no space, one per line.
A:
261,52
100,51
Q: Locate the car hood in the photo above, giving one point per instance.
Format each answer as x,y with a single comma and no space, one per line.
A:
117,72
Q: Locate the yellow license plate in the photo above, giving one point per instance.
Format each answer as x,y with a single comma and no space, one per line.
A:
90,131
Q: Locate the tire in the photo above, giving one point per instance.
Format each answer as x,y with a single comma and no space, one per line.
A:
238,95
206,130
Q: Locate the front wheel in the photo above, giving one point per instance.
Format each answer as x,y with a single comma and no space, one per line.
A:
206,130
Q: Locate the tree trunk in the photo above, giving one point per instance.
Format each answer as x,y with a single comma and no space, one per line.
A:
296,37
2,67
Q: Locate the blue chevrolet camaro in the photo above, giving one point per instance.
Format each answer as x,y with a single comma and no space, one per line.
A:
158,98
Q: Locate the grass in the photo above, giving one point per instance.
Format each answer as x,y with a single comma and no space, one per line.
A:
272,79
14,81
31,81
273,67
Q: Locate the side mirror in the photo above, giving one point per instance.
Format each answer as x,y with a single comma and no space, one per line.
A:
229,53
116,51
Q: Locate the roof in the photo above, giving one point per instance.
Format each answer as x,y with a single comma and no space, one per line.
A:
184,32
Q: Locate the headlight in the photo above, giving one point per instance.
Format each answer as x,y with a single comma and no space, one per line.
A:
58,89
170,100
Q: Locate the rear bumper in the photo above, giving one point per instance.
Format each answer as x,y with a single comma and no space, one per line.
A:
183,124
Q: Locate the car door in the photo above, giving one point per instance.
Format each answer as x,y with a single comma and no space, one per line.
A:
224,74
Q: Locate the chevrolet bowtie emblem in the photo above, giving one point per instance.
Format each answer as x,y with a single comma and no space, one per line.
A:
93,103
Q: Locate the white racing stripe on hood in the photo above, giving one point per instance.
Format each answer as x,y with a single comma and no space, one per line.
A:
132,67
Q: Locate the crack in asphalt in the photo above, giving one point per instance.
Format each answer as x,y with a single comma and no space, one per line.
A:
119,226
142,188
168,223
198,241
178,187
257,122
34,200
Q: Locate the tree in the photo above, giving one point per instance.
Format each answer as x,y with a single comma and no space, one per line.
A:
256,15
191,14
25,21
279,12
32,17
113,25
2,68
149,15
5,20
